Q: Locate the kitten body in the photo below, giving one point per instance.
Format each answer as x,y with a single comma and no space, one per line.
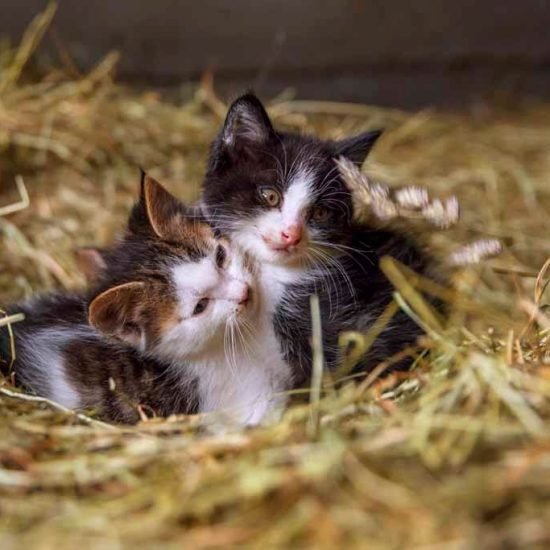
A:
61,357
280,197
351,297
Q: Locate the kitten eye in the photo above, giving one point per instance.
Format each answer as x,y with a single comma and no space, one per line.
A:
270,196
201,306
221,255
320,214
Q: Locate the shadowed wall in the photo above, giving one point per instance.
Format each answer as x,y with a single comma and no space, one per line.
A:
392,52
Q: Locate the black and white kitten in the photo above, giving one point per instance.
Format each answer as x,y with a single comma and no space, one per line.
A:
280,197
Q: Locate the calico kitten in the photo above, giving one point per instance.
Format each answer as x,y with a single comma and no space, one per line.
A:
241,369
280,197
162,329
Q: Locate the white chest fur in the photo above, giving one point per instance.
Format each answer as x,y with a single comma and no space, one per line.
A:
273,281
248,387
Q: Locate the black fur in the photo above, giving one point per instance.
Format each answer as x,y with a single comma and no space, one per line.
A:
351,305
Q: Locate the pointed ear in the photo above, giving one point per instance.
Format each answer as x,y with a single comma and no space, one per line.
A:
91,262
357,148
246,123
159,212
117,313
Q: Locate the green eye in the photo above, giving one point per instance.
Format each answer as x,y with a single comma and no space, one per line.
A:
270,196
320,214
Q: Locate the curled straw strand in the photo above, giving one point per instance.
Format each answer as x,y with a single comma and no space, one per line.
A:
375,200
410,201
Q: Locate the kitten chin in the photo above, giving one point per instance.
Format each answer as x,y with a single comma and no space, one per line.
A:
280,197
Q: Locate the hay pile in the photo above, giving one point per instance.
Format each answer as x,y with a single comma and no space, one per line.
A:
456,452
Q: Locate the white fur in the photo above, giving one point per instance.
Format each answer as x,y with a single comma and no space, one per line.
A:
273,279
297,198
253,390
61,390
279,268
46,375
248,387
203,279
262,236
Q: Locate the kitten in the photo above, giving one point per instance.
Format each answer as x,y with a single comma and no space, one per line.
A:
279,197
162,328
240,370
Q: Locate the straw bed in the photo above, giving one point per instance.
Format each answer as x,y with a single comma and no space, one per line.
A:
454,453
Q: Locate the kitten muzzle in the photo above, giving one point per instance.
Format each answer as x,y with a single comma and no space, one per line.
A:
288,240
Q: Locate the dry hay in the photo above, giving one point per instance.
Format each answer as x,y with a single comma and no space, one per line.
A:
456,452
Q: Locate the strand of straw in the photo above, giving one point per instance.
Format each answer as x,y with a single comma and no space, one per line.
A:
318,364
31,39
56,406
24,201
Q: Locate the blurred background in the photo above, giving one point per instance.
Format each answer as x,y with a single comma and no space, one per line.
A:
386,52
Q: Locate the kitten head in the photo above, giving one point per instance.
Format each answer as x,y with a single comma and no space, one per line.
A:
170,288
279,195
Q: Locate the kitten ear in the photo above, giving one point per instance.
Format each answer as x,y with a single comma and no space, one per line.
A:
116,312
91,262
158,211
247,122
357,148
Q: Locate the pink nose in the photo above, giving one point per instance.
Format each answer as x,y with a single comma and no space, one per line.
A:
292,235
245,295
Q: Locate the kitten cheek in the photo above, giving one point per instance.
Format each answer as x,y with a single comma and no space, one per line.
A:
314,233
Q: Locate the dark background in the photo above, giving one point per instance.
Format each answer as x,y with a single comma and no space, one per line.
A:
387,52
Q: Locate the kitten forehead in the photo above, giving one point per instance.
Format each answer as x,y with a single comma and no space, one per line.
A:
194,278
299,194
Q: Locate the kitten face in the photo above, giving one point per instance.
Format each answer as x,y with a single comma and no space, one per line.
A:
171,287
208,295
279,196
